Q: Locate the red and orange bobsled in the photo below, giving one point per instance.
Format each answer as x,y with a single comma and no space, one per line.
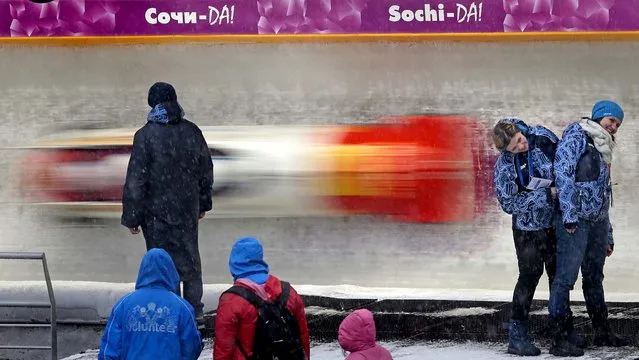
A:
420,168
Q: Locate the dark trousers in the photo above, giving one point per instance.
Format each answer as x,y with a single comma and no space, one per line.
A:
181,242
535,249
584,249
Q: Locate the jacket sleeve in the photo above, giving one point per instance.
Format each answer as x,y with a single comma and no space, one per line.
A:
206,177
227,329
547,143
569,151
300,316
511,200
190,337
111,345
135,184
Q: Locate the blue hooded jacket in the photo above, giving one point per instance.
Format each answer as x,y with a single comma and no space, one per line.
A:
583,179
247,261
152,322
530,210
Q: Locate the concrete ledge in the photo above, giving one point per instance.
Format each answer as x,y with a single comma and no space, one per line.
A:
427,320
77,302
91,302
400,314
72,339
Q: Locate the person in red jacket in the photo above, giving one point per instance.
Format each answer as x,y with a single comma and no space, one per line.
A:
236,318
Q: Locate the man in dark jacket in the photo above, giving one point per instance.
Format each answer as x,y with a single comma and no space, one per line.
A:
168,187
152,322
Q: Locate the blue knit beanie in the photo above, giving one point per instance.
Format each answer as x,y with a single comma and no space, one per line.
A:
605,108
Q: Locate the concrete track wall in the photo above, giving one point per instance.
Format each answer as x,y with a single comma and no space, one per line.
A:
549,83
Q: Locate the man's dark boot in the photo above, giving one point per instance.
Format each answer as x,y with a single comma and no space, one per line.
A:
573,335
603,335
560,346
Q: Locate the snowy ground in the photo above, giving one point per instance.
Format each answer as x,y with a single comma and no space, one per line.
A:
436,350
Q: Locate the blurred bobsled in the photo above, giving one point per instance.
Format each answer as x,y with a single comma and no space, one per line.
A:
417,168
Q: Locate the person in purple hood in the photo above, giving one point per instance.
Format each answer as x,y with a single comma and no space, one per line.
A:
358,336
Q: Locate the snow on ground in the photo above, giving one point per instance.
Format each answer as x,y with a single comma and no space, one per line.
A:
432,350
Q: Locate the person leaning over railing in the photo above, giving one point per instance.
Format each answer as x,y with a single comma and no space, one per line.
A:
523,180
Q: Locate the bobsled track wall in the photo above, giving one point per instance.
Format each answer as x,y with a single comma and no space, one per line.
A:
254,84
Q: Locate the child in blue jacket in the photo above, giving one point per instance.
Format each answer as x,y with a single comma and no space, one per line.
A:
152,322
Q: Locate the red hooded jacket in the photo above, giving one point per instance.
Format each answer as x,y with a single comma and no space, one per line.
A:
236,319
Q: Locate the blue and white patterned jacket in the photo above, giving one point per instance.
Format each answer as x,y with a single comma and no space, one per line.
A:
583,179
530,210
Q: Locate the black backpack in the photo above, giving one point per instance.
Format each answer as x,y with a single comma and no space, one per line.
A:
277,335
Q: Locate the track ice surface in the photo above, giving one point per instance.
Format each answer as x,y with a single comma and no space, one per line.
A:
436,350
316,84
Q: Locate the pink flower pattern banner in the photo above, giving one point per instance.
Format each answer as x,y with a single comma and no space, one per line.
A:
20,18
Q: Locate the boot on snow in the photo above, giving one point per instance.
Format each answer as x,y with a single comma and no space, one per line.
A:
603,334
560,346
573,335
518,341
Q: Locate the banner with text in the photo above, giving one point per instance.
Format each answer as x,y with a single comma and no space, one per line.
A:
19,18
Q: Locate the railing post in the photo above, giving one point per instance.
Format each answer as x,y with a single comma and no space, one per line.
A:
54,320
51,304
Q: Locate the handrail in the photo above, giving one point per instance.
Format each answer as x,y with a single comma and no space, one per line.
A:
54,334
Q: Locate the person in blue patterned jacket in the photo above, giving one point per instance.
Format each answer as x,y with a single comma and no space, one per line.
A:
527,152
584,233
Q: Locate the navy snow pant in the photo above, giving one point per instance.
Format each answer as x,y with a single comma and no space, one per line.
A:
584,249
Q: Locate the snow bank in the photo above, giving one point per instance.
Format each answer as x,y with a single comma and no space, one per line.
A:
80,301
434,350
387,293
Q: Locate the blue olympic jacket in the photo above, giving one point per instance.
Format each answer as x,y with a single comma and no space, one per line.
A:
152,322
530,210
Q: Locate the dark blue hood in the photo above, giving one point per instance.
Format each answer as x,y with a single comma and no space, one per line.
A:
158,270
247,261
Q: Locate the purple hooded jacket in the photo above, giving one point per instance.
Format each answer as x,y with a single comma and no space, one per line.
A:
357,335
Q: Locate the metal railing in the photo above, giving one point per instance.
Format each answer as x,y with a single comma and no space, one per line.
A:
26,304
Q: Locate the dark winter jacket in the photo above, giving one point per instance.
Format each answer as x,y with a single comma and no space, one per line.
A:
152,322
530,210
170,172
583,179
